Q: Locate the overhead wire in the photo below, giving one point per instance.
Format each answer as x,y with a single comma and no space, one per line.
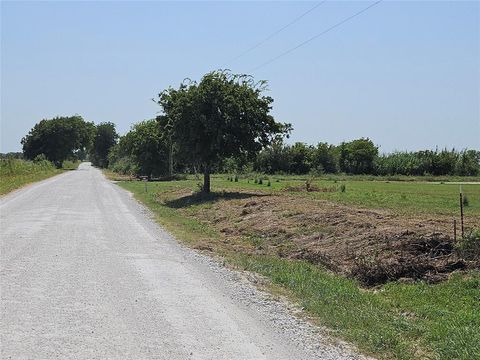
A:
260,43
317,36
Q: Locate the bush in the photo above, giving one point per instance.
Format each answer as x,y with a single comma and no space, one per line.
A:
125,166
70,165
40,158
469,246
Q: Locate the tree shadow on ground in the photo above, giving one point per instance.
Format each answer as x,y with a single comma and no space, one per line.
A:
199,198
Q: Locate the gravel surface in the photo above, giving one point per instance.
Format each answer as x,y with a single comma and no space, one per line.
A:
87,274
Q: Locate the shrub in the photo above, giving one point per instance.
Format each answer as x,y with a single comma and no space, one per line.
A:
70,165
40,158
469,246
125,166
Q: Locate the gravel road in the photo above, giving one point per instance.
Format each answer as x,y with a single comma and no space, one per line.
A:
87,274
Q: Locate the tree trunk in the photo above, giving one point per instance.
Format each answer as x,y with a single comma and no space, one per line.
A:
206,180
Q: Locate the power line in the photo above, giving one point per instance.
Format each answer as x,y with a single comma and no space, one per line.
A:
273,34
316,36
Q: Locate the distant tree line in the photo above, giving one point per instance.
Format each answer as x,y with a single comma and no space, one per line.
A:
11,155
223,124
69,138
361,157
142,151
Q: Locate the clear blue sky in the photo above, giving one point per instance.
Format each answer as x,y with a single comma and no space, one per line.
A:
406,74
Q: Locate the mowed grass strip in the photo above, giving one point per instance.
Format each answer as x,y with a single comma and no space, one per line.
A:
403,321
405,197
15,173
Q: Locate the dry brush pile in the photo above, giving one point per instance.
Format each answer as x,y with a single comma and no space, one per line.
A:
374,246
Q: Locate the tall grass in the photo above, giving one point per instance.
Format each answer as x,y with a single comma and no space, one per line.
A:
15,173
12,167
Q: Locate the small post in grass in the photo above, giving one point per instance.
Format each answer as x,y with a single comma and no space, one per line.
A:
145,180
455,230
461,210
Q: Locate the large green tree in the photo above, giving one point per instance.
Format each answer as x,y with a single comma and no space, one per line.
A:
325,158
105,138
222,116
273,159
469,163
145,146
358,156
300,158
59,139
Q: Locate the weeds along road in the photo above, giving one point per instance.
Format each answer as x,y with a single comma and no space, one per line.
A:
85,274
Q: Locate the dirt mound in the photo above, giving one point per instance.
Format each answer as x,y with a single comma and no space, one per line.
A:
374,246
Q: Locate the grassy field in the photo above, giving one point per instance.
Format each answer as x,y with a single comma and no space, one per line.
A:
433,197
403,197
403,320
16,173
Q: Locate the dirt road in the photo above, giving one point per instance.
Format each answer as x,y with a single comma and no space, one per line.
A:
86,274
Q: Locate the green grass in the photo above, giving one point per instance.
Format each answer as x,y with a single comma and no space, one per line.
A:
400,196
440,198
15,173
403,321
187,229
407,197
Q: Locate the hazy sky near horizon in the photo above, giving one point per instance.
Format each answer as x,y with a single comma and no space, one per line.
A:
406,74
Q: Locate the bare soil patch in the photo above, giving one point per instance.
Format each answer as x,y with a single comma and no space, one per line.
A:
374,246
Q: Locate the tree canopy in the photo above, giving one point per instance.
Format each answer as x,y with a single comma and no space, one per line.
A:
59,139
143,149
358,156
222,116
105,137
